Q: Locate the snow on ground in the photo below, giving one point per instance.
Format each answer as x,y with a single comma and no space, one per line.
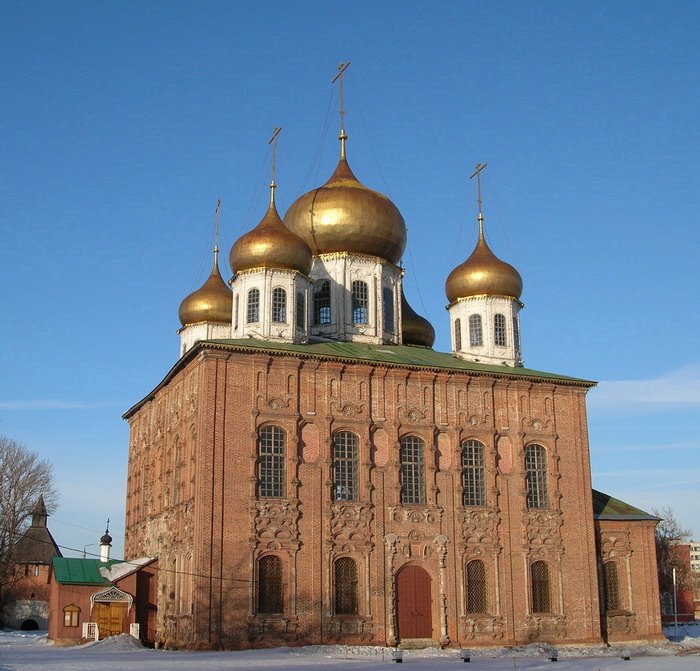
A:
30,651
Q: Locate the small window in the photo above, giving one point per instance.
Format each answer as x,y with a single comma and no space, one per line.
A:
345,466
235,315
536,476
613,600
458,335
271,462
476,587
322,303
412,471
539,576
345,583
279,305
516,334
499,331
71,616
253,314
270,588
301,312
476,334
473,474
360,302
388,308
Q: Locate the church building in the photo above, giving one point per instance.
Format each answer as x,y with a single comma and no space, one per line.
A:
311,471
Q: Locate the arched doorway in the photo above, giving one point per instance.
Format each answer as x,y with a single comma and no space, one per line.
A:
414,603
110,609
29,625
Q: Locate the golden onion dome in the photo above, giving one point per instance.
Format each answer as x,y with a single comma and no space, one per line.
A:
343,215
483,273
270,245
415,330
212,302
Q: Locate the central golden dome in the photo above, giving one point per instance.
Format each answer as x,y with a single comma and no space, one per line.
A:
343,215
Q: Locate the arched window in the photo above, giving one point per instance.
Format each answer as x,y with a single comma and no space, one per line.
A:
253,314
271,462
539,583
388,308
477,601
412,471
613,597
473,474
536,476
458,334
71,616
345,583
235,314
322,303
476,334
301,313
279,305
345,466
499,330
360,302
270,587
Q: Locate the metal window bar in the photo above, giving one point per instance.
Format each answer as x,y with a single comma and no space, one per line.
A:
613,600
271,462
458,334
360,302
270,587
301,312
388,308
345,466
253,312
345,582
499,330
322,303
476,335
539,574
473,474
536,476
412,471
279,305
477,601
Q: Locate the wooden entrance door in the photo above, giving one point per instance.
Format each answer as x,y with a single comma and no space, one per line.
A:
414,603
109,618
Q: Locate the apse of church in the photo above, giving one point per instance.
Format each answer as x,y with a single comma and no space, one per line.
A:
312,471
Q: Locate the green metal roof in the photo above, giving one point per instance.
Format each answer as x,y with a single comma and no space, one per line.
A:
606,507
75,571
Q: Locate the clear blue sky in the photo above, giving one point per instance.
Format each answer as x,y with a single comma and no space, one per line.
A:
122,123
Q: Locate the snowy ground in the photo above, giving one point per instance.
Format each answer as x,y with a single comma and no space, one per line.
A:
30,651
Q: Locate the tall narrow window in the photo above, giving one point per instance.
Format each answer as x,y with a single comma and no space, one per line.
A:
499,330
270,587
345,583
279,305
458,334
235,314
477,601
301,312
476,334
536,476
322,303
473,474
388,308
412,471
271,462
253,314
613,600
516,334
345,466
539,579
360,302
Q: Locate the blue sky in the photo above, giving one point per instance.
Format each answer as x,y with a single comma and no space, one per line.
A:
123,123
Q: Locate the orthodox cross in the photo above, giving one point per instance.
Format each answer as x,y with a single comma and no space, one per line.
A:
273,142
477,174
343,137
217,210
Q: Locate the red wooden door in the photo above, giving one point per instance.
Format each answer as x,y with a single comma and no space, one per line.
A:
414,603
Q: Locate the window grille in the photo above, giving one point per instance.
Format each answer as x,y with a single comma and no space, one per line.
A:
388,308
279,305
322,303
270,587
360,302
301,313
345,581
539,576
345,462
458,334
613,600
477,601
499,330
473,474
536,475
476,334
235,315
253,306
412,471
271,462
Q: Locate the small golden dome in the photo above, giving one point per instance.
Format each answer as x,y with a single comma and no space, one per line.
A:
483,273
343,215
415,330
270,245
212,302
